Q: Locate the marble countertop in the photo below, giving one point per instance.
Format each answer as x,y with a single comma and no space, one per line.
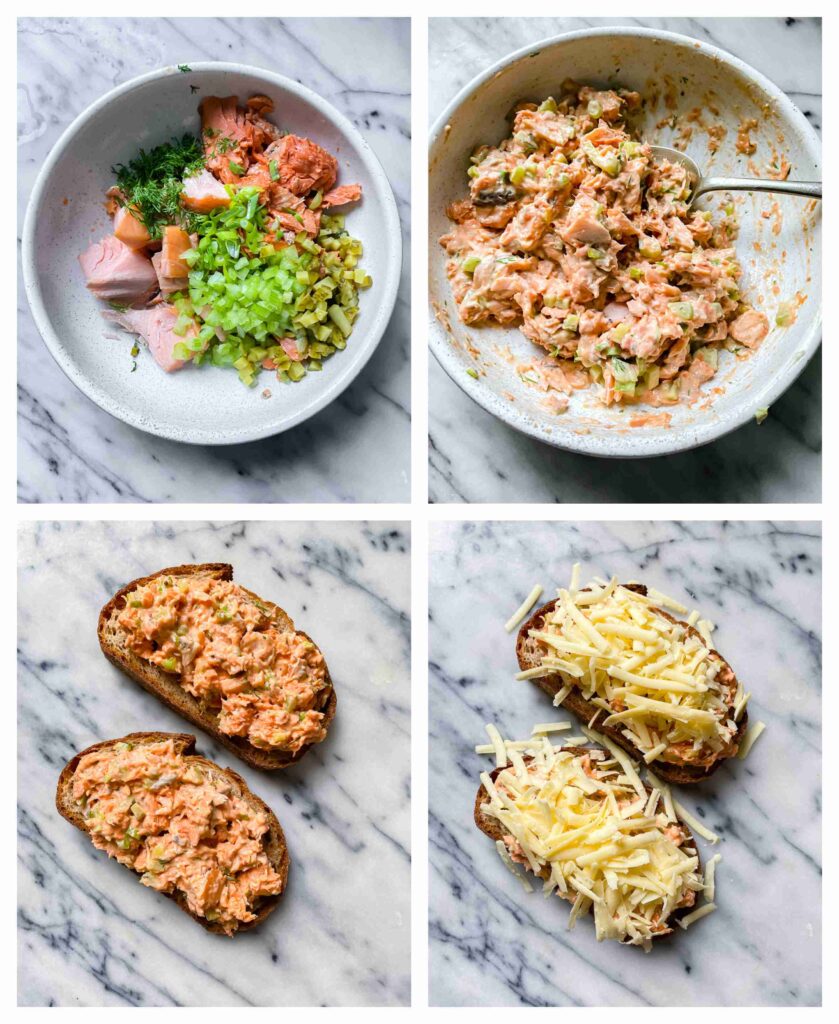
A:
493,944
357,449
474,457
88,933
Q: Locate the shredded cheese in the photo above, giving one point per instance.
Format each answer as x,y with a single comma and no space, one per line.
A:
710,868
577,819
655,679
498,745
750,738
551,727
693,824
704,911
520,613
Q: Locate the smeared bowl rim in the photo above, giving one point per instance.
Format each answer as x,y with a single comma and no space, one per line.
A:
370,331
633,445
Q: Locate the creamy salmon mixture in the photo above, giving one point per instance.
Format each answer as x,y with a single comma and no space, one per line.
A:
575,234
183,829
265,683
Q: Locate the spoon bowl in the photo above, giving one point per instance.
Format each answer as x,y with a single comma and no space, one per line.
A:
699,185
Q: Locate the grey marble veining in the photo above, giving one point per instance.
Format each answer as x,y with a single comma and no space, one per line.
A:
493,944
357,449
88,933
474,457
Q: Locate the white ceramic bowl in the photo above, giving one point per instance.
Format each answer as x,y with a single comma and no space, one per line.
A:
645,60
206,405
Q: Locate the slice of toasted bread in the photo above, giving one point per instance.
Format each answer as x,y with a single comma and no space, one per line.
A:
166,686
529,654
274,840
494,830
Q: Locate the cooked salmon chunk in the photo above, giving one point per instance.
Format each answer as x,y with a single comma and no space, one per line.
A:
154,326
130,229
116,273
203,193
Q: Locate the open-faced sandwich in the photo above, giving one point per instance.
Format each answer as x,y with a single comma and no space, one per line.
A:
613,656
230,662
580,819
189,828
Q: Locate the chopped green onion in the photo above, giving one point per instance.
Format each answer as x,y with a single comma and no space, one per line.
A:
273,170
237,169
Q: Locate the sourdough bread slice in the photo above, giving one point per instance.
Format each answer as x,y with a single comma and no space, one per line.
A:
274,840
166,686
530,651
494,830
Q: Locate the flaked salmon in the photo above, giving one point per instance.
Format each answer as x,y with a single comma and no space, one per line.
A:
342,195
302,165
155,327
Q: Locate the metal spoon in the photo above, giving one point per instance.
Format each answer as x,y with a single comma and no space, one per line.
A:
700,185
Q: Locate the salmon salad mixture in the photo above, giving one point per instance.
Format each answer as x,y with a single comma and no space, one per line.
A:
225,249
182,827
266,684
574,233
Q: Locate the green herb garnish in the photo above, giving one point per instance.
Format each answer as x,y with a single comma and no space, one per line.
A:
184,69
152,182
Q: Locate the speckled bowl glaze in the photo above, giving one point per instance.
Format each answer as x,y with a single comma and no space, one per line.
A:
776,266
205,405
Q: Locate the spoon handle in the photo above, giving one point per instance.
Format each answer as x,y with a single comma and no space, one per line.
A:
813,189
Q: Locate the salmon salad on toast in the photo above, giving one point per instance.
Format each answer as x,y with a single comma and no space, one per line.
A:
229,249
230,662
189,828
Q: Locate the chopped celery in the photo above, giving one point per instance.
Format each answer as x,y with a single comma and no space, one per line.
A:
245,293
607,162
785,315
681,310
649,247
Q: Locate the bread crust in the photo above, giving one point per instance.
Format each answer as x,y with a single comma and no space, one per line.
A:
167,687
677,774
491,827
274,840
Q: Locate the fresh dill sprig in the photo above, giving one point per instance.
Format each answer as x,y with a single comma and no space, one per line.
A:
151,183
